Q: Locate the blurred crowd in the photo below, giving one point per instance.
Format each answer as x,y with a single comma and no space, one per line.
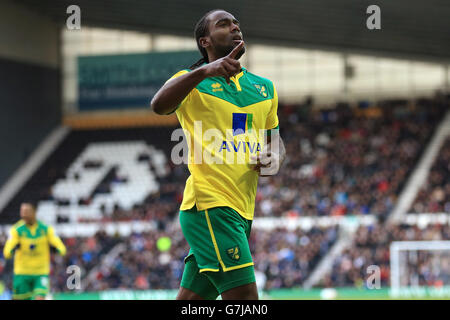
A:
342,160
434,195
140,263
346,161
371,247
85,253
283,259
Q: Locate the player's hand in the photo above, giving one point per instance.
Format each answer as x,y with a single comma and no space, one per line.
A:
267,163
227,66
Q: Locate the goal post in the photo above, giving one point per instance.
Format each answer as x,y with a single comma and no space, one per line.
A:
420,268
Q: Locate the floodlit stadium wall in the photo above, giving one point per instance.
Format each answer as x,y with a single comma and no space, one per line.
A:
298,73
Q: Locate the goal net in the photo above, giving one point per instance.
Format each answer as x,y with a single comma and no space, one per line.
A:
420,269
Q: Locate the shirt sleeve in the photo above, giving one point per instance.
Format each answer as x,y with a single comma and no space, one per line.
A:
56,241
272,117
11,243
187,98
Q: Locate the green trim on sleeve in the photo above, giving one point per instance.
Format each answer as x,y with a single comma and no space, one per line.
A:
269,131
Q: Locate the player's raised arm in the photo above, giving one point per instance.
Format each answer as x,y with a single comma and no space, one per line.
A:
11,244
174,91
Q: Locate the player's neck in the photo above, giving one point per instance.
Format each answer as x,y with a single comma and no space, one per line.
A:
212,57
31,224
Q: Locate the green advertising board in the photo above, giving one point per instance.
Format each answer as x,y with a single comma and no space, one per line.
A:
126,80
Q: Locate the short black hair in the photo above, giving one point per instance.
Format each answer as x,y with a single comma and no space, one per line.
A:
32,203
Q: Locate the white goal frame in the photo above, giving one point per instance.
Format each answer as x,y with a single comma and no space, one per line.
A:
397,246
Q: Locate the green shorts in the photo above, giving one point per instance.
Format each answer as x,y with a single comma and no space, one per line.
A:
219,258
25,287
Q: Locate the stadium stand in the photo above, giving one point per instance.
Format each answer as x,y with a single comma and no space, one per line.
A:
284,259
347,161
98,176
434,196
371,247
340,165
343,161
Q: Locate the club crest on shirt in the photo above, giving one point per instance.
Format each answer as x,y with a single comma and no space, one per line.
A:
261,88
234,253
216,87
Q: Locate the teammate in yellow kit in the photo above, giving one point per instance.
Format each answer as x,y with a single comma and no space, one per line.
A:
30,242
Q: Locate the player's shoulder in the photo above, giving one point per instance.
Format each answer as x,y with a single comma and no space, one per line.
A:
43,226
180,73
253,76
18,225
183,71
259,80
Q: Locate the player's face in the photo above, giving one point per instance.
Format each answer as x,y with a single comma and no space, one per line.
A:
224,33
27,213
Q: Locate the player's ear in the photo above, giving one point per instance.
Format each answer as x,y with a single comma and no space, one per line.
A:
204,42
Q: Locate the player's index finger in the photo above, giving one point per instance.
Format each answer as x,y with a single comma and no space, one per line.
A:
235,51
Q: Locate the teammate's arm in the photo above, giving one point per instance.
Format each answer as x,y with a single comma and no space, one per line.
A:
56,241
11,243
174,91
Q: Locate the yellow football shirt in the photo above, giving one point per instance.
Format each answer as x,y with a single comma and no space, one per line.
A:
224,125
31,248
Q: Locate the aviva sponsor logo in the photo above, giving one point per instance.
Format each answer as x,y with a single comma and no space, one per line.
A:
242,124
240,146
216,87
